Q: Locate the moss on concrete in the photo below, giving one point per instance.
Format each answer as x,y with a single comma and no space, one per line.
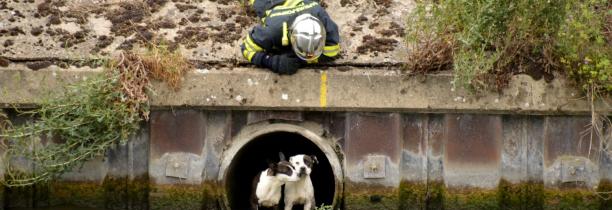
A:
183,196
211,197
82,194
19,197
435,197
470,198
115,192
528,195
138,192
412,195
605,197
359,196
570,199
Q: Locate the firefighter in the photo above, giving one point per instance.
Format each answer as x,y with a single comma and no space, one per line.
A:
291,33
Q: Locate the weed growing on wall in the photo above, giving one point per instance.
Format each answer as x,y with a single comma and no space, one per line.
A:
80,125
89,118
165,65
324,207
584,44
487,41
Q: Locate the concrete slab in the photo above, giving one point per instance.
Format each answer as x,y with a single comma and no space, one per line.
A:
373,148
472,151
414,152
358,89
522,154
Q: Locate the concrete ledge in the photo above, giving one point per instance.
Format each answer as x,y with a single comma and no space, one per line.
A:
357,89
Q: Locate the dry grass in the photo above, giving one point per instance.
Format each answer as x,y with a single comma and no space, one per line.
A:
165,65
134,80
430,55
137,70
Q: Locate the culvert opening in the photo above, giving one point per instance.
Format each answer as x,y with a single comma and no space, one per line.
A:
252,158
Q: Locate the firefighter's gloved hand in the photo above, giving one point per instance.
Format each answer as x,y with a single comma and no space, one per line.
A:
325,59
283,64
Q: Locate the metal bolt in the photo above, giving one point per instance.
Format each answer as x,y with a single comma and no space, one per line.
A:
373,167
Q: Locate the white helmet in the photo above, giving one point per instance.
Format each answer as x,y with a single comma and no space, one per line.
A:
307,37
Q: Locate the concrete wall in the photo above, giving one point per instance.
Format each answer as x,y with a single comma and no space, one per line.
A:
388,160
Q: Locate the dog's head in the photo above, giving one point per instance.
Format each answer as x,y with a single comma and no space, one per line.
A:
303,164
283,170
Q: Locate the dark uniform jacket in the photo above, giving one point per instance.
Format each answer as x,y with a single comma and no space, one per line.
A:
271,37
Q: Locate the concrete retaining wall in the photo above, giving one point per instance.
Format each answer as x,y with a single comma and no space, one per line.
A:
352,89
387,160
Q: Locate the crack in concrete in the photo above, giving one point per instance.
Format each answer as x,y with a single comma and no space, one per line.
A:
204,64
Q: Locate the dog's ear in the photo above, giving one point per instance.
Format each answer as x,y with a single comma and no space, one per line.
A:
272,168
281,156
314,159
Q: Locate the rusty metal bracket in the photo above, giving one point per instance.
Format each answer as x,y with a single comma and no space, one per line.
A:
178,166
374,167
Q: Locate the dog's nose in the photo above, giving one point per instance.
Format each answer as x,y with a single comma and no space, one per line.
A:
303,169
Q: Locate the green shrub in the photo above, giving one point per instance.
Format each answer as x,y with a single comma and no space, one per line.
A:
89,118
584,50
487,41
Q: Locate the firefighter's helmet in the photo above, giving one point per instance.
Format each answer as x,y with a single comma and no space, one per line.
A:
307,37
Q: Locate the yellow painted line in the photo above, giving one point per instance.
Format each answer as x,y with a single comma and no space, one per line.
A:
323,93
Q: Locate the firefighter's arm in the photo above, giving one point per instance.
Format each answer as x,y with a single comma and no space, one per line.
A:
332,41
255,44
253,49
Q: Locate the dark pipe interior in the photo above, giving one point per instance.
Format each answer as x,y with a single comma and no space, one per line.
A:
252,159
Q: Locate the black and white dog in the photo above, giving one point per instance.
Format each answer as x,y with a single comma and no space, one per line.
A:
267,184
301,191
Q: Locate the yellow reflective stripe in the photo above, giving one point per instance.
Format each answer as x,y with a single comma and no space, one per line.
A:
285,32
252,2
330,54
331,48
293,3
331,51
316,60
248,54
294,10
245,54
289,4
251,45
286,4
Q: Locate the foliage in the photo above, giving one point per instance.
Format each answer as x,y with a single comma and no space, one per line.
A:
90,117
324,207
584,44
165,65
487,41
82,124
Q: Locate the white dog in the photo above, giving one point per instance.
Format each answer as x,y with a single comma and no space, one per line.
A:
302,191
267,185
